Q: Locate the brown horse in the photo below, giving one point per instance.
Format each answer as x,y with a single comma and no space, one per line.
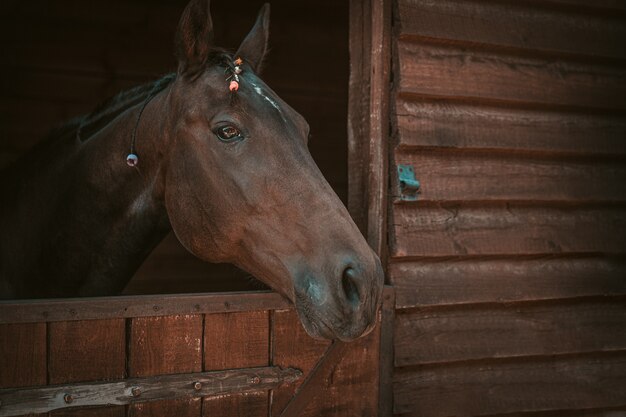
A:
228,171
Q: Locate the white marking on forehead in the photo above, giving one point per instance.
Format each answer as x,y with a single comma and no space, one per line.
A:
270,100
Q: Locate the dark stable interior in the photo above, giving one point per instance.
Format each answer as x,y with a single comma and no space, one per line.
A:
61,58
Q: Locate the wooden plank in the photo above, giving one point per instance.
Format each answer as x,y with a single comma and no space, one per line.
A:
447,282
178,389
504,229
114,411
237,405
358,110
602,5
165,345
25,311
380,73
451,124
87,350
431,69
560,383
386,354
236,340
22,355
180,407
293,348
346,385
519,25
463,334
489,176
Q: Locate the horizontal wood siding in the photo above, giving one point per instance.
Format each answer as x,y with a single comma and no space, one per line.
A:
510,268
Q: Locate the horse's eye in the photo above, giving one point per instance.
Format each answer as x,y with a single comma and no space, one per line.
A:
228,133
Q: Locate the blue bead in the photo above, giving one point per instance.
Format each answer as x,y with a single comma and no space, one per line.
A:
132,160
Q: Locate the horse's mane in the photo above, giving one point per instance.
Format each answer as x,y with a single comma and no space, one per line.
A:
84,127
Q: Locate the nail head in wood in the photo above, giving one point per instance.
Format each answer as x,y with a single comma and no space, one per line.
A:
135,391
197,386
68,398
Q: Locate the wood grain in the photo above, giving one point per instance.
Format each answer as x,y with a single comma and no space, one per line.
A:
115,411
173,390
25,311
358,110
236,405
87,350
520,25
379,105
292,348
463,334
542,384
22,355
453,124
181,407
490,176
349,388
165,345
433,69
236,340
505,229
470,281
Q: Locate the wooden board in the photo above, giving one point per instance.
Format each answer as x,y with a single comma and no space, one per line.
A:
22,355
455,124
116,411
462,334
90,350
492,176
166,345
292,348
28,311
348,388
509,386
237,405
236,340
505,229
179,408
471,281
438,69
520,25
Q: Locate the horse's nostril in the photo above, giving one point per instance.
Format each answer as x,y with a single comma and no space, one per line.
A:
350,288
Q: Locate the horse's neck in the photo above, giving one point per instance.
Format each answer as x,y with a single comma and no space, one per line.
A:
83,221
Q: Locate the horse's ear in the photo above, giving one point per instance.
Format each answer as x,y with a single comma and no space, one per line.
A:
253,48
194,38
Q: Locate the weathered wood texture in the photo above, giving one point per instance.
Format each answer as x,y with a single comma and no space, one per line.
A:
460,334
178,389
509,269
239,358
60,59
497,387
347,387
478,281
22,355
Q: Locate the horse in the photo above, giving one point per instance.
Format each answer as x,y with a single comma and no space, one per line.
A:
210,152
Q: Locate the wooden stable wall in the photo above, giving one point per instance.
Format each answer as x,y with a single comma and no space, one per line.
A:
218,355
509,269
61,58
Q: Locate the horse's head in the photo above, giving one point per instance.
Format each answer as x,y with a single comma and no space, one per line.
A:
242,187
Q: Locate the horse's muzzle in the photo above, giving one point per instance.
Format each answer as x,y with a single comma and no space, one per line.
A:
343,306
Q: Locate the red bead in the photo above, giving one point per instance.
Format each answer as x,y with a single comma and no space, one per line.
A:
234,86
